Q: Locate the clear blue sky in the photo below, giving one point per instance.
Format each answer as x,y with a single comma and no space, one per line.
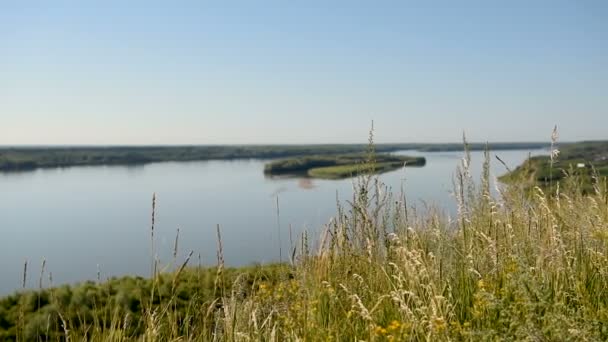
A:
199,72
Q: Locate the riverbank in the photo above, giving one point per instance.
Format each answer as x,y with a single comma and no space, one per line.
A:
31,158
583,161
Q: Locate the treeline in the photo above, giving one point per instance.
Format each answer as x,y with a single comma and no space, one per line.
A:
585,160
29,158
339,166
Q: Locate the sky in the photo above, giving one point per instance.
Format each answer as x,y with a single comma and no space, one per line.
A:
273,72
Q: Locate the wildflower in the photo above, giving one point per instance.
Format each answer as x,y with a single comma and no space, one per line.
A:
394,325
380,330
439,324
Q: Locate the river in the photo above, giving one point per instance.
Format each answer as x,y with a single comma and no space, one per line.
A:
85,220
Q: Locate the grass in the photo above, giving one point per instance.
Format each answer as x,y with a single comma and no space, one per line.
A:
339,166
94,306
540,170
350,170
30,158
511,267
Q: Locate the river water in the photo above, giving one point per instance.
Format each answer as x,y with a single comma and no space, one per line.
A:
85,220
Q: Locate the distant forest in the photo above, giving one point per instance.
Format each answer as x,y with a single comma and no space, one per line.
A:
29,158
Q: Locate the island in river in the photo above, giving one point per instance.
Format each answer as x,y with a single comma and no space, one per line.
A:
339,166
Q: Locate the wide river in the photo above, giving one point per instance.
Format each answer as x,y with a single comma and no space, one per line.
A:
82,220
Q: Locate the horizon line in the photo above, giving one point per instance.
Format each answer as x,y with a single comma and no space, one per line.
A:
2,146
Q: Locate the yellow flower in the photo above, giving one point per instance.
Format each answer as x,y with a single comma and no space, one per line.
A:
380,330
439,324
394,325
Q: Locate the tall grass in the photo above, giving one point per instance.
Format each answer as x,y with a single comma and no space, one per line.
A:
512,266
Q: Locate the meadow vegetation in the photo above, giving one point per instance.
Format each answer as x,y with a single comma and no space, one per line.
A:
516,266
582,160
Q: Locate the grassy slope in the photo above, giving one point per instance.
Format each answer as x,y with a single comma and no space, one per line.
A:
31,314
517,268
338,166
28,158
537,170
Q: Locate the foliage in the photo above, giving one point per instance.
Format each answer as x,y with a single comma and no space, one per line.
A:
339,166
29,158
538,170
508,267
125,303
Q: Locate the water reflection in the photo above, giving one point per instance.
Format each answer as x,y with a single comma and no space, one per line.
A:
306,184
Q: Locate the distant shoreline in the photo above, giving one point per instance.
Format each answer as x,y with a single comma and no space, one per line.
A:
587,160
27,158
